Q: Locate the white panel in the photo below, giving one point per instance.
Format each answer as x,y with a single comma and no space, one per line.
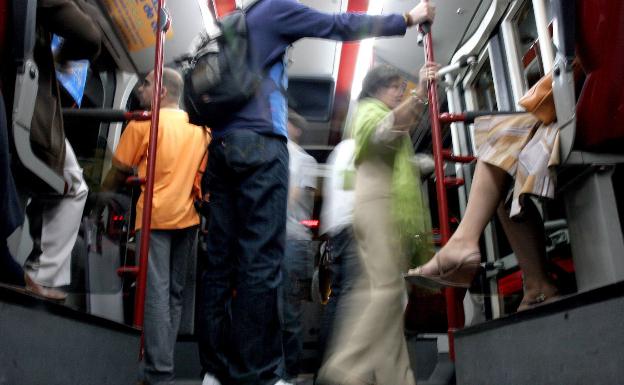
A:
448,29
315,57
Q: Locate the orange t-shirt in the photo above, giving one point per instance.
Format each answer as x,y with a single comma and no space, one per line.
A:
180,154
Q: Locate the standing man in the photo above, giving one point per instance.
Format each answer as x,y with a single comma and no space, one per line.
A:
180,155
55,219
298,261
247,180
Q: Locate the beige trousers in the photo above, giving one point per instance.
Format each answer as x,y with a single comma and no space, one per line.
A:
370,347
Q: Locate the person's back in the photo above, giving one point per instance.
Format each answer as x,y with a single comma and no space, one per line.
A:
180,149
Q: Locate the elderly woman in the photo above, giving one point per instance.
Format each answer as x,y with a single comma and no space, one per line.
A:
390,222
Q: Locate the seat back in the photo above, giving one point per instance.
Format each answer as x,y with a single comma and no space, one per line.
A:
600,47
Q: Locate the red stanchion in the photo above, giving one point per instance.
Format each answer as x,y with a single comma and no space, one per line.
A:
148,193
453,309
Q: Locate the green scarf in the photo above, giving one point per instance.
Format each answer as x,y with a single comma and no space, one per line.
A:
408,209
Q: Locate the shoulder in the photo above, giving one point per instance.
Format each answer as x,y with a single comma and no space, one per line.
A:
137,126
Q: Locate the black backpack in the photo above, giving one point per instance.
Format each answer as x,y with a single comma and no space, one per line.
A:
218,80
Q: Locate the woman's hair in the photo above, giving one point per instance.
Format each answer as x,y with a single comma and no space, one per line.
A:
377,78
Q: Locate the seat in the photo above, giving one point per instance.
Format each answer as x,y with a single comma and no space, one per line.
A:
589,133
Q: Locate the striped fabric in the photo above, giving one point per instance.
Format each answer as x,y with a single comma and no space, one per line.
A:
523,147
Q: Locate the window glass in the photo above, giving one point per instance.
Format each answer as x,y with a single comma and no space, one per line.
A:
484,88
526,32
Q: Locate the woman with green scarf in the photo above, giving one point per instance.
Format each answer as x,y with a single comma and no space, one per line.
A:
392,227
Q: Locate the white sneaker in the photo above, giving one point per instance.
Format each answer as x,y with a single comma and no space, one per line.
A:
210,380
282,382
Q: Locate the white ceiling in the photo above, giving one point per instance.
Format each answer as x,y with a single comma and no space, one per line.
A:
452,20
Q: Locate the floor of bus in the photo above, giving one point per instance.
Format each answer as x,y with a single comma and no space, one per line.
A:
50,343
577,340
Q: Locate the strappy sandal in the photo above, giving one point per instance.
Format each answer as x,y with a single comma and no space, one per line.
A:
539,299
461,275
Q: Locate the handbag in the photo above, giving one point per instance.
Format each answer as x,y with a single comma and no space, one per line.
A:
539,99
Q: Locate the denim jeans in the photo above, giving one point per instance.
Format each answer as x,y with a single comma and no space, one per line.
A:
297,268
345,270
239,330
169,252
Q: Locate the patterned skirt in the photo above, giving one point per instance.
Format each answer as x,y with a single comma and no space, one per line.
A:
526,149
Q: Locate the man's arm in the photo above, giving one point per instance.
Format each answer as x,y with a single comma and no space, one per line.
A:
81,34
130,150
295,21
115,178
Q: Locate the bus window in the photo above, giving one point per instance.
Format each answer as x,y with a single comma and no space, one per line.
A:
484,88
88,138
527,35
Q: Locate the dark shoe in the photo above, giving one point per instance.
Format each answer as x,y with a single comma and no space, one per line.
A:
539,299
48,293
461,275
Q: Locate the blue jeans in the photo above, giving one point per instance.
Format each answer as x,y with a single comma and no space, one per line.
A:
345,270
297,268
169,252
239,330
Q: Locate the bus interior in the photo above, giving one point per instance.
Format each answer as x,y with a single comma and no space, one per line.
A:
492,52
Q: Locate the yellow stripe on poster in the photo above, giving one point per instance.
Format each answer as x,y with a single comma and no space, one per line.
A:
136,21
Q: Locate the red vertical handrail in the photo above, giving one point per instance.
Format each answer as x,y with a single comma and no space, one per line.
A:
453,311
148,193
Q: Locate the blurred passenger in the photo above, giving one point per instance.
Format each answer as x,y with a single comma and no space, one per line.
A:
516,153
180,155
298,261
55,220
389,223
248,185
337,225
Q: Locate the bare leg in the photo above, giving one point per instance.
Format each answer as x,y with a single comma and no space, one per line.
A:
526,238
485,195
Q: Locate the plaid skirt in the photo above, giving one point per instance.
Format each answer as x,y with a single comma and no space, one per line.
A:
525,148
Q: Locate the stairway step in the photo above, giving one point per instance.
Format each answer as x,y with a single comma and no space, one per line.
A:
49,343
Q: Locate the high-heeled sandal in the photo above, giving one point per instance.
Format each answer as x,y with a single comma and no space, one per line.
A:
461,275
539,299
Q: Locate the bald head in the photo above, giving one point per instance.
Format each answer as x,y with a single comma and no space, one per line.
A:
171,89
172,81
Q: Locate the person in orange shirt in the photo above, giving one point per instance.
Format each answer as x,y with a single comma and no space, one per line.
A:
180,157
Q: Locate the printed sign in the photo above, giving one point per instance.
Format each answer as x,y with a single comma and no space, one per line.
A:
136,20
71,75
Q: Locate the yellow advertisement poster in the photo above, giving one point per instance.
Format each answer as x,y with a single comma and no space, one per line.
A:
136,21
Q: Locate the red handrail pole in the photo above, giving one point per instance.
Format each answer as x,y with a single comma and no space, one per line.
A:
148,193
453,311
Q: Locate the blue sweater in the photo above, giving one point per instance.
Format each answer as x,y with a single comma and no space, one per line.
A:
273,25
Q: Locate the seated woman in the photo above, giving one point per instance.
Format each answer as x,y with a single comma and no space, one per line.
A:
388,211
515,152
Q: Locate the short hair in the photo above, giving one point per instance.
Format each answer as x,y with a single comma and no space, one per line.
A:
296,119
172,81
377,78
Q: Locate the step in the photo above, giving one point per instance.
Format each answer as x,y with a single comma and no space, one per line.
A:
576,340
49,343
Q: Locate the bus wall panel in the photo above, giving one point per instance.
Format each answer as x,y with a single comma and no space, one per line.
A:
50,344
578,346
